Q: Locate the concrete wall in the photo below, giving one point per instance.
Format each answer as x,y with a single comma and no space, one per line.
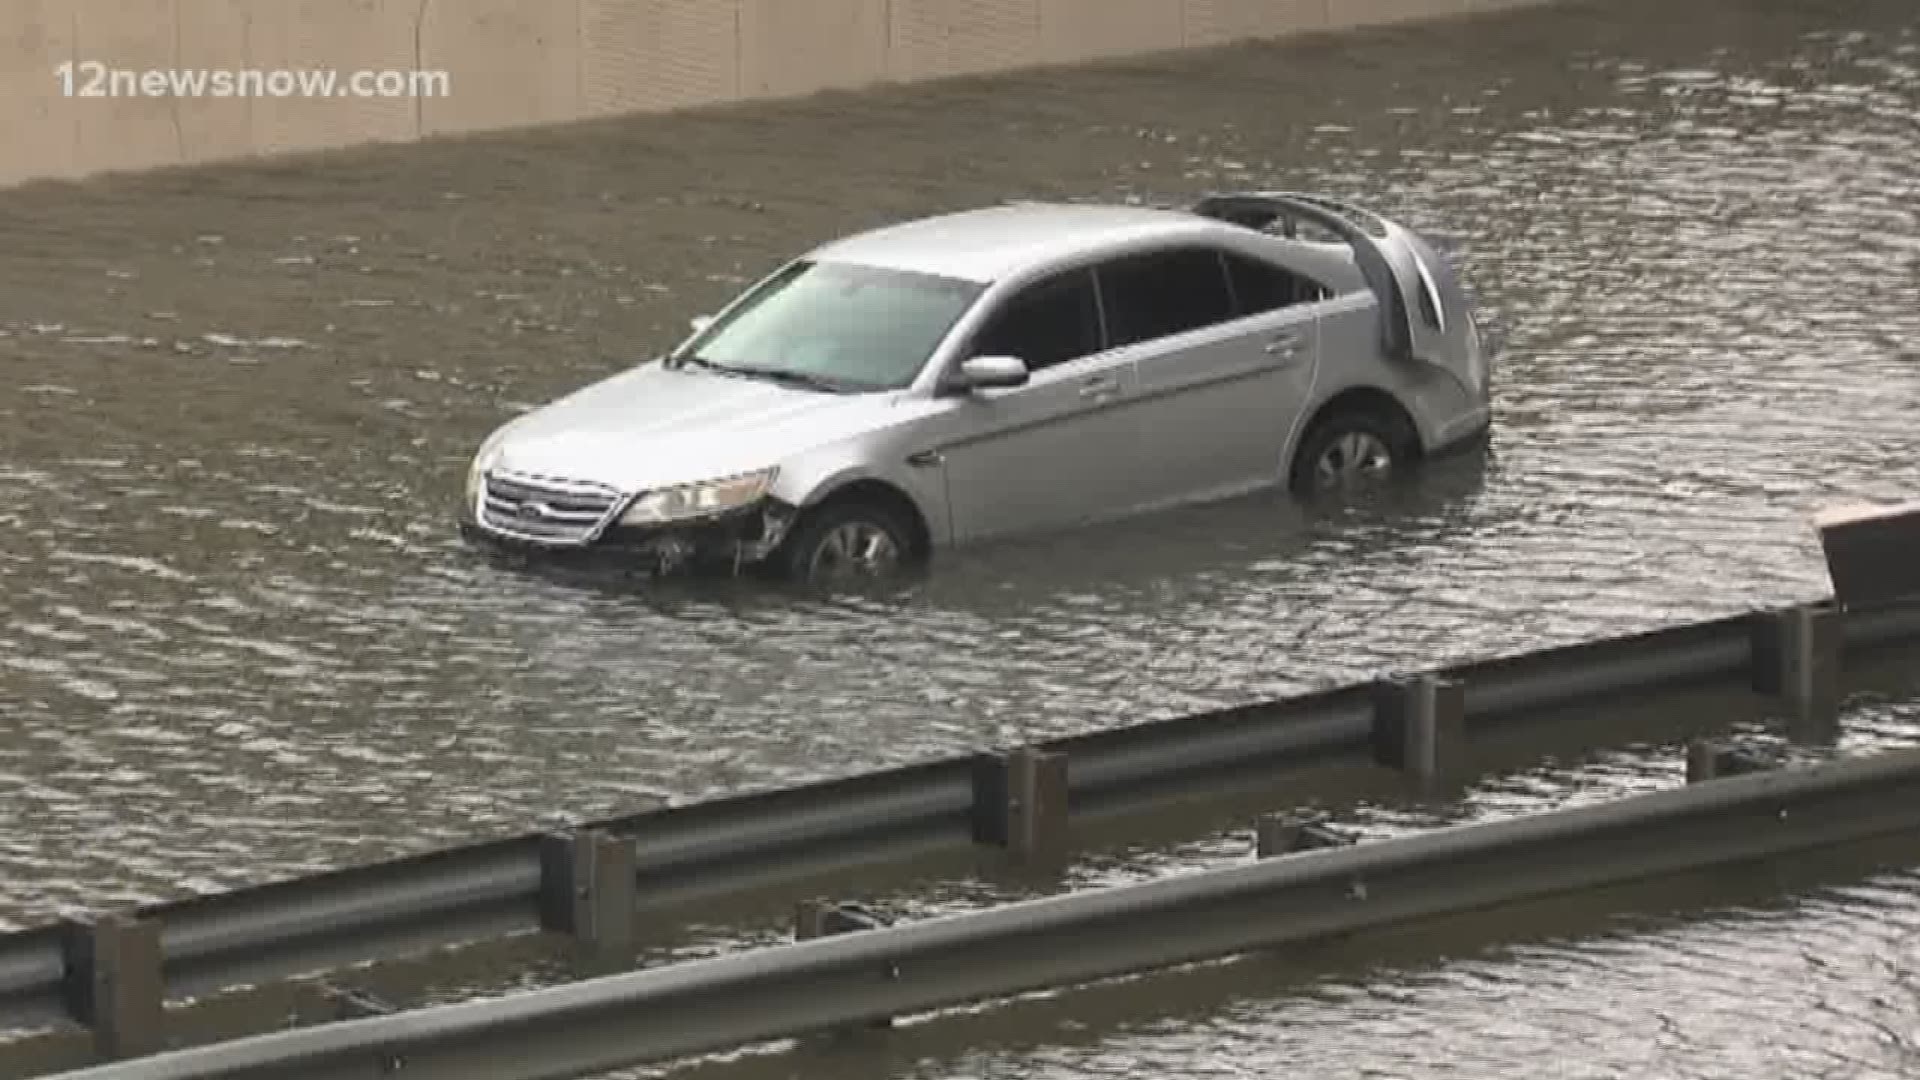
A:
519,62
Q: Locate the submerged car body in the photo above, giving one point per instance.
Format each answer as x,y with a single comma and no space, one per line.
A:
1002,371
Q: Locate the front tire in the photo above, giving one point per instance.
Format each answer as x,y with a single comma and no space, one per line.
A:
1352,450
845,542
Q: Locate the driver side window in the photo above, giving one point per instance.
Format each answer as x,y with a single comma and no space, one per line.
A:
1050,322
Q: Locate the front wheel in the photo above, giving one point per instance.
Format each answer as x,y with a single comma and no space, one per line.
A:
845,543
1352,450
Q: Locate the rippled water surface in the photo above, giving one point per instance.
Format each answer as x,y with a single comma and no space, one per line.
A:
238,638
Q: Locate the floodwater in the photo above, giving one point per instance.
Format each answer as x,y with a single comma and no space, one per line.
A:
239,639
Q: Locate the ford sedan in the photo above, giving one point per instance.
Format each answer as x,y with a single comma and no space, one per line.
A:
1006,371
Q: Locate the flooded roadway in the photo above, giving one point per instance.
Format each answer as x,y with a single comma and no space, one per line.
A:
238,638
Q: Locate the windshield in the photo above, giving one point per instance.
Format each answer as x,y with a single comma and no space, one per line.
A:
837,325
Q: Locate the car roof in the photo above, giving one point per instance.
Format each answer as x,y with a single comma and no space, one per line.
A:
988,244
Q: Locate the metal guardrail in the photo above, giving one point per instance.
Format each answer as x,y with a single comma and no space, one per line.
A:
588,882
870,975
719,847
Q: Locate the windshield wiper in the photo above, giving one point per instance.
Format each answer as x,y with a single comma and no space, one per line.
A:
780,375
791,378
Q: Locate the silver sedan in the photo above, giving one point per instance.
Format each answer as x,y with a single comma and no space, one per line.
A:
1006,371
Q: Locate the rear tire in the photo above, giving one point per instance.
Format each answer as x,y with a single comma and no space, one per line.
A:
1352,450
844,542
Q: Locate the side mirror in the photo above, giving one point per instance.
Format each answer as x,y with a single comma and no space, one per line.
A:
700,322
993,373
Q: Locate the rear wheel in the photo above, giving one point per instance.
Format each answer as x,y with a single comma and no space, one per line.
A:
844,543
1355,449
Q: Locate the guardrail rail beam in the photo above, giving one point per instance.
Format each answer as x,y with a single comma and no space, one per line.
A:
587,888
820,918
114,983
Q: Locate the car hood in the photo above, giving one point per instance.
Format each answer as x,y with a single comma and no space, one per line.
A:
655,426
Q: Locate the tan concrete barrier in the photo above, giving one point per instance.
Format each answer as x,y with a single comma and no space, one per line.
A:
511,63
789,48
526,56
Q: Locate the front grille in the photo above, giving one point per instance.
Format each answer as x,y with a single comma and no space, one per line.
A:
546,511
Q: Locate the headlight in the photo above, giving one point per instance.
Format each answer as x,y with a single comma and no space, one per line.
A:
699,500
476,475
483,460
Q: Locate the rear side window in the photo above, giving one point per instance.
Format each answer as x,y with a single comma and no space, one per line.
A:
1260,286
1049,322
1164,293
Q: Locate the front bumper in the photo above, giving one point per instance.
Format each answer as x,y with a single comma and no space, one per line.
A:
736,539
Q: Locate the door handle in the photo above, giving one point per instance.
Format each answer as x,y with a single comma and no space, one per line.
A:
1285,346
1098,387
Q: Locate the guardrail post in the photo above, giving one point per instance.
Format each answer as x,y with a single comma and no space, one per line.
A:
587,887
1419,726
1285,834
1020,802
1797,660
819,918
1709,760
115,983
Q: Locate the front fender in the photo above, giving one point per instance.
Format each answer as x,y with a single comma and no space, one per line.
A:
815,478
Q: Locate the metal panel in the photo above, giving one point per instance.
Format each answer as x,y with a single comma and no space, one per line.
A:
1307,727
1883,626
693,852
1873,553
436,885
31,968
671,1012
1654,660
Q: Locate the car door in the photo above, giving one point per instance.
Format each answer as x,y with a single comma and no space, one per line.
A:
1425,314
1226,348
1057,451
